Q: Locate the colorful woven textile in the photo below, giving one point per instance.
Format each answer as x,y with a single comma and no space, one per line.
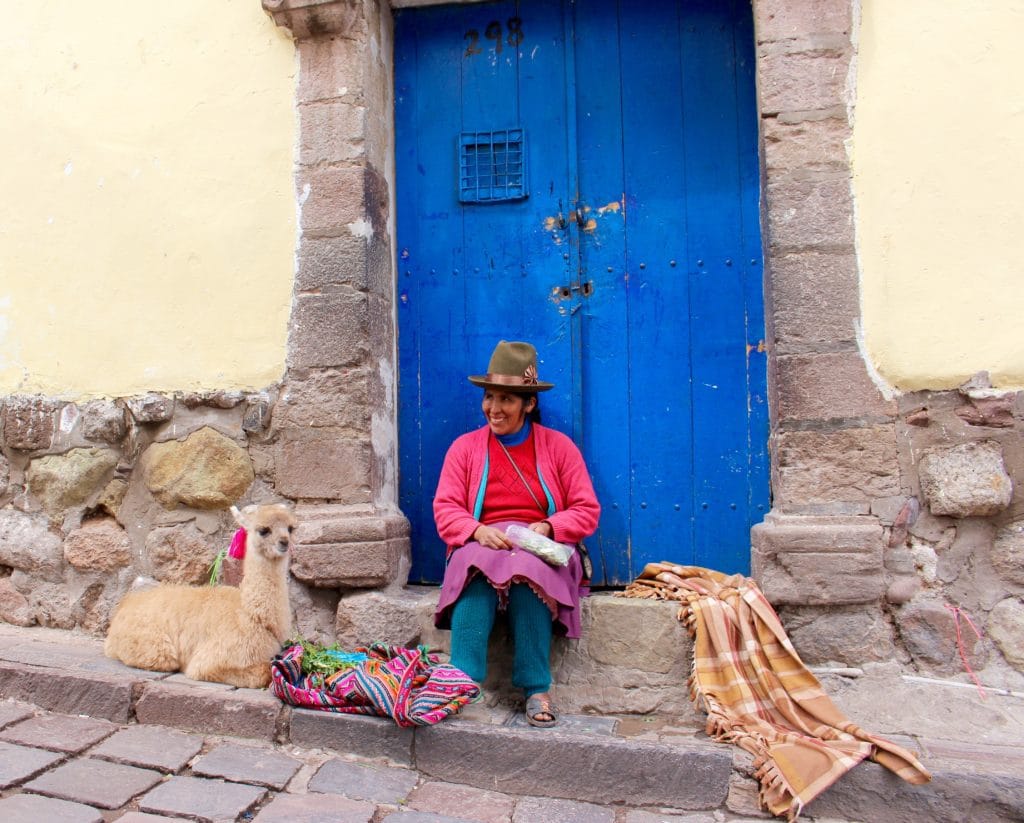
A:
408,685
758,693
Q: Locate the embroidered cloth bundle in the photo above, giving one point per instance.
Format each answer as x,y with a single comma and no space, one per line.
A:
407,685
758,693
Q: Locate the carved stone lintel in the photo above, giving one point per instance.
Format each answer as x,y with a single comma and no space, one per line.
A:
316,18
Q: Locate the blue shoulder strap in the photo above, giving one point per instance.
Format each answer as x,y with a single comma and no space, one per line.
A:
479,506
547,492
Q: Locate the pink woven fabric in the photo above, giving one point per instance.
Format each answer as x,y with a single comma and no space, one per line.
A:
407,685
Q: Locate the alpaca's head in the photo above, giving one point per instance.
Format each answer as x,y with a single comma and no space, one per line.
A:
268,530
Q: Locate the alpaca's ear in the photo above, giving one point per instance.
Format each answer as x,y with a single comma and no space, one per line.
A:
242,517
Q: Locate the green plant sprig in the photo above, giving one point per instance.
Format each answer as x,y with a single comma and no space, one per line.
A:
325,660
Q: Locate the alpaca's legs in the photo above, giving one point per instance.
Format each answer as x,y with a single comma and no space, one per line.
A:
153,651
256,676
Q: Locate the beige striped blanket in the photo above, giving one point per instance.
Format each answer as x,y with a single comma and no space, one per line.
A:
758,693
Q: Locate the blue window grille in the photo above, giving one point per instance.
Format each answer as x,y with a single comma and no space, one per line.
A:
492,166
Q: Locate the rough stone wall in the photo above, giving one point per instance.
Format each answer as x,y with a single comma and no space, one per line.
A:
950,541
95,495
954,538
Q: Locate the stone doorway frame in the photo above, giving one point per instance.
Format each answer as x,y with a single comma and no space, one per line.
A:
822,542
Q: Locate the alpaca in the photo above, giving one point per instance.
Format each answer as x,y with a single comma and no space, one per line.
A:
218,633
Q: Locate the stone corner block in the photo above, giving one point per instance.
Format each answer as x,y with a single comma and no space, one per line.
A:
818,560
342,548
392,617
853,465
969,480
780,20
320,464
253,713
316,18
830,385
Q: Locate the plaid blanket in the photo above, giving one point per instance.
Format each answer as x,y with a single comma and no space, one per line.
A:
407,685
759,695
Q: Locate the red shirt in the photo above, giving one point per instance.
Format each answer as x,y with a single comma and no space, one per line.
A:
506,497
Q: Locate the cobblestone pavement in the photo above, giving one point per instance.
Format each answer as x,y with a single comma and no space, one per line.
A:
74,769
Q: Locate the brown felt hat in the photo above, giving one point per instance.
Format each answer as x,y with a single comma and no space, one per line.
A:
513,368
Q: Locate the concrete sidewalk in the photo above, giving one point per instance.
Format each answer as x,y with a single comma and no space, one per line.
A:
106,742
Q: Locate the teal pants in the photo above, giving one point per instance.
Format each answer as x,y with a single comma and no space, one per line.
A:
530,622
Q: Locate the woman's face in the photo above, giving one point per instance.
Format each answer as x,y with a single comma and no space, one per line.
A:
505,411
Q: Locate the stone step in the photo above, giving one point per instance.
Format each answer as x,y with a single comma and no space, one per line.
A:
633,657
638,761
581,759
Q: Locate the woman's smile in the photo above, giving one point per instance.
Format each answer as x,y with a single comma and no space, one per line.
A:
505,411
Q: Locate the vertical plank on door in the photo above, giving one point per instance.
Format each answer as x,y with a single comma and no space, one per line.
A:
717,320
656,149
428,255
606,434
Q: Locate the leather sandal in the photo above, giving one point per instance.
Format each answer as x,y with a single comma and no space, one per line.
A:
536,705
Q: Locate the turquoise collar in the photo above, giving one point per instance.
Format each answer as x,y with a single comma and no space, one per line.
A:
516,438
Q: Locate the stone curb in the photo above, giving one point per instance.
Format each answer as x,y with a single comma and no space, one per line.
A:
68,692
576,767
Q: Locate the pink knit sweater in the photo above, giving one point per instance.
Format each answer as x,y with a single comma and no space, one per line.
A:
561,469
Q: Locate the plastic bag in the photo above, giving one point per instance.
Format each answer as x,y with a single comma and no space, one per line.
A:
557,554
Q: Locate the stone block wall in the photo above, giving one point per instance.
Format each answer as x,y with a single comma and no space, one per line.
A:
893,520
818,555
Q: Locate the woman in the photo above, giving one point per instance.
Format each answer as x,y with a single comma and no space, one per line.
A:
512,470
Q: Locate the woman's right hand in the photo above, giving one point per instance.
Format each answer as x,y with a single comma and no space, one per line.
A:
492,538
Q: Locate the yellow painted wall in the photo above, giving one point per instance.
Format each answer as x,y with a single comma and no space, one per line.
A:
939,187
147,217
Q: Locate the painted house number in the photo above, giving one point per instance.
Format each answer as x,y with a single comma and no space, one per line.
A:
495,32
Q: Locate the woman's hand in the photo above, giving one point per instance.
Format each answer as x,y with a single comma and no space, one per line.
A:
492,538
544,528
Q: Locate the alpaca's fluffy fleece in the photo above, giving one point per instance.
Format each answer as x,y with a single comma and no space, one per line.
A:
218,633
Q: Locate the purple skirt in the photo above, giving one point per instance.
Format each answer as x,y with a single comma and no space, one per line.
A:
560,585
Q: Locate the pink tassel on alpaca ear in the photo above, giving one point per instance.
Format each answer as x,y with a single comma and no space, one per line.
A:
237,548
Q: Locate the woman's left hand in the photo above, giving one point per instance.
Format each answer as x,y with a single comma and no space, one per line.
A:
543,527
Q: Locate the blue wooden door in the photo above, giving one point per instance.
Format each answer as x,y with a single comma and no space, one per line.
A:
584,175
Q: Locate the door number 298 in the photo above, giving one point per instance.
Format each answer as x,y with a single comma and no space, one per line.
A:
495,32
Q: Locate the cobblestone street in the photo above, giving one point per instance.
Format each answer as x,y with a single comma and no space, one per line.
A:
73,769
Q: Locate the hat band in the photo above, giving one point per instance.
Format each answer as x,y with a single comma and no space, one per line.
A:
510,380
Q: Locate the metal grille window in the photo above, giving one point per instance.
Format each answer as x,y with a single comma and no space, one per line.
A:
492,166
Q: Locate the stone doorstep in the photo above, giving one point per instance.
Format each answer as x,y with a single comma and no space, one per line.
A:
633,658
